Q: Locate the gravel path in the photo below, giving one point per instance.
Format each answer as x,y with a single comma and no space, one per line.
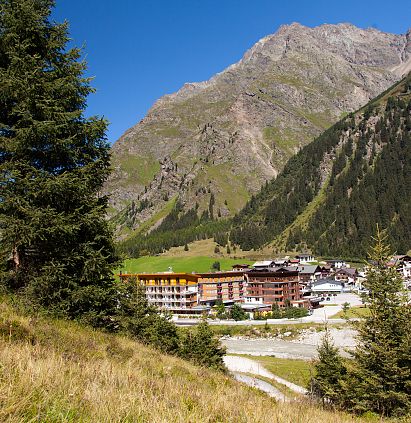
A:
260,384
245,365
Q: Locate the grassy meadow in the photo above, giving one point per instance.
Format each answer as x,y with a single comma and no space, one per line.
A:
352,313
58,371
150,264
293,370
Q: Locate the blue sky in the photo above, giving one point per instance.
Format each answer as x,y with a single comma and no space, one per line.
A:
140,50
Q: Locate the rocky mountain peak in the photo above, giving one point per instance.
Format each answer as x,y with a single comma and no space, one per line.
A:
230,134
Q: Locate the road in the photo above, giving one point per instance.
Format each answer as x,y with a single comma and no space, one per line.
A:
320,315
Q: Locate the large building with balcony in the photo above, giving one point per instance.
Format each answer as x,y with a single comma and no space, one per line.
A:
271,287
175,292
224,287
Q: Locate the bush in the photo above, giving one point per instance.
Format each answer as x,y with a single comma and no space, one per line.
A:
237,313
200,347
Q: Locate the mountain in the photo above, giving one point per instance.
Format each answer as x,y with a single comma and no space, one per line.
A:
225,137
332,193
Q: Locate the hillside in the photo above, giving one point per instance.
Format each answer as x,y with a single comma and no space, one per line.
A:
225,137
331,195
56,371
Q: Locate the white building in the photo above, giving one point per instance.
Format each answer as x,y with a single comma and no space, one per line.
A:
305,258
327,286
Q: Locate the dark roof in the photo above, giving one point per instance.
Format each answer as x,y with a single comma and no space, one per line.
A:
347,270
263,273
305,269
223,274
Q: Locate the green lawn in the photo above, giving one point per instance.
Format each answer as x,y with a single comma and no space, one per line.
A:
295,371
353,312
150,264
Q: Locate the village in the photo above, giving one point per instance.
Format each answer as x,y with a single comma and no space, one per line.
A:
258,289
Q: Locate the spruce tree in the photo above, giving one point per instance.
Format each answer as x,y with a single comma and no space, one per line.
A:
136,316
237,313
380,379
55,244
329,373
201,347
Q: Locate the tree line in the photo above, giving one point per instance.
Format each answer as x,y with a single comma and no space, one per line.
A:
178,228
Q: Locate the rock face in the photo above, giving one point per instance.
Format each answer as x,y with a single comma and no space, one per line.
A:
230,134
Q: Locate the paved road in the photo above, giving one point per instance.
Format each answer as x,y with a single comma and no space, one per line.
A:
320,315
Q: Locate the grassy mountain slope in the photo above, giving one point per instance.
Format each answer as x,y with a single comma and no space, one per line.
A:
333,192
229,135
55,371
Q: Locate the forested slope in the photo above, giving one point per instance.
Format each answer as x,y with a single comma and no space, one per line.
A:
332,194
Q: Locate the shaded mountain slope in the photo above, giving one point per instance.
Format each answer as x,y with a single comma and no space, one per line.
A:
331,194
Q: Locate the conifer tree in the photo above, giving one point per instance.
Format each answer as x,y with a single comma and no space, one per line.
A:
329,372
380,380
136,316
201,347
55,244
237,313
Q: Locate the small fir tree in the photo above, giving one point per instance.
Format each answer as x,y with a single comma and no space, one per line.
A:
329,372
216,266
220,311
201,347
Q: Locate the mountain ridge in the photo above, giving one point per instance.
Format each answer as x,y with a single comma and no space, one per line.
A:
230,134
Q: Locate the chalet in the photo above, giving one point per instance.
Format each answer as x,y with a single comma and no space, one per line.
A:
281,262
308,273
305,258
346,274
336,263
403,265
326,271
240,267
263,264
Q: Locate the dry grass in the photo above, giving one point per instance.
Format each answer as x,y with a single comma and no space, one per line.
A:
54,371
